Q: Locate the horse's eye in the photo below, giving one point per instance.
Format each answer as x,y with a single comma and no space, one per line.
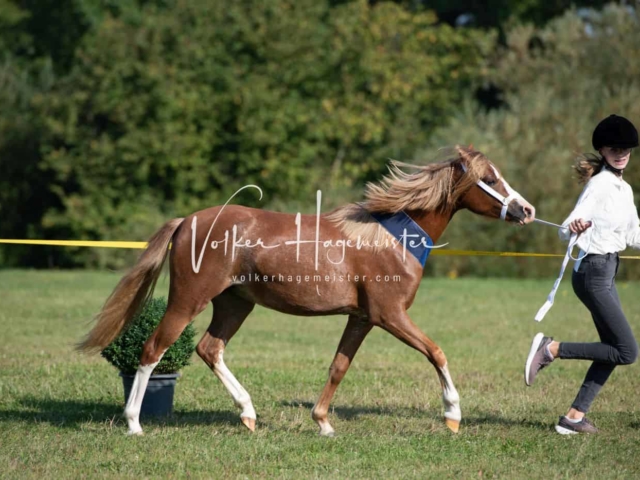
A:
491,182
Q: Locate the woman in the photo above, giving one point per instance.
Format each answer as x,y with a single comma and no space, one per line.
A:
606,206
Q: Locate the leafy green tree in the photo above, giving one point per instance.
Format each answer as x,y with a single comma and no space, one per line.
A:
172,110
498,13
559,82
12,37
24,186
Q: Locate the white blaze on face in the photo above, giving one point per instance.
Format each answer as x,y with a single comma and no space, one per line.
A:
512,195
507,187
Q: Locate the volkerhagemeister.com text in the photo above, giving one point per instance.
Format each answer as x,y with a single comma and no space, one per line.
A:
280,278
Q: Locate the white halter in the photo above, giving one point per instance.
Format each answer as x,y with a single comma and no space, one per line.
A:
513,195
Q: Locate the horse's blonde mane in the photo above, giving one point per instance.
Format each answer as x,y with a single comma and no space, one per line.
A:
426,188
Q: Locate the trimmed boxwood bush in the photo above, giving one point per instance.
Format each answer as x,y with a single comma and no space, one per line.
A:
124,352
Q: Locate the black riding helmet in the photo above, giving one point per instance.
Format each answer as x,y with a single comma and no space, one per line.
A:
616,132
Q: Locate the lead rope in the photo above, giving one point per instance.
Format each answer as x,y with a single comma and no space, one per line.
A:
568,255
572,241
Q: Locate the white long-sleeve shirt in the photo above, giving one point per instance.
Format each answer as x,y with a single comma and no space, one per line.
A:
606,200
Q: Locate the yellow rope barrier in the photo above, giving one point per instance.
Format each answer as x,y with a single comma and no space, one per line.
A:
476,253
78,243
143,245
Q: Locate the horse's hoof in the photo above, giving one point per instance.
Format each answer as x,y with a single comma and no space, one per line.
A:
137,433
250,423
329,432
454,425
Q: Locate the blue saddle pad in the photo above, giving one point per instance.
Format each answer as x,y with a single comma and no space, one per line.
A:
399,225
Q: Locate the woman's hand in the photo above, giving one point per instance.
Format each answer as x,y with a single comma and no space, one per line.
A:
579,225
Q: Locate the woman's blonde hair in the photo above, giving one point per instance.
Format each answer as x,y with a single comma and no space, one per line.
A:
587,165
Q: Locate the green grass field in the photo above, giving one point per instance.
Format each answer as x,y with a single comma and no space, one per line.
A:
60,411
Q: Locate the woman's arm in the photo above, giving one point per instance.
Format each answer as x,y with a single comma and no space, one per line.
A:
587,201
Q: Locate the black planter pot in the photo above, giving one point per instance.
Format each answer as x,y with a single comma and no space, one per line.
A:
158,399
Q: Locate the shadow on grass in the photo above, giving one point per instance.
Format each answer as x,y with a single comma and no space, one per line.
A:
72,413
353,413
491,419
476,419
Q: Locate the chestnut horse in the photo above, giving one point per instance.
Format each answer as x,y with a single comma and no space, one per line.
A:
346,259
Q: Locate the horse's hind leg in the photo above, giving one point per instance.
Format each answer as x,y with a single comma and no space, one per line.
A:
354,333
171,326
229,311
400,325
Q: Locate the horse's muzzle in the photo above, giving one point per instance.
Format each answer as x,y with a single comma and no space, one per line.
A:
521,213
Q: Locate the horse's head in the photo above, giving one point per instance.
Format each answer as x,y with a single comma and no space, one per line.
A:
487,193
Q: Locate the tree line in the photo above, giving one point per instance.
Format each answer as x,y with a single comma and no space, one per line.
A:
119,115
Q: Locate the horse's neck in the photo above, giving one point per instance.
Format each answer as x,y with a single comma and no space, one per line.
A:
433,223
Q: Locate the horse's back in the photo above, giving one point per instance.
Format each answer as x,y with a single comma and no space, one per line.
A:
299,265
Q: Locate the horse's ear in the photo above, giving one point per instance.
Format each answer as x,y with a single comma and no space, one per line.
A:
463,152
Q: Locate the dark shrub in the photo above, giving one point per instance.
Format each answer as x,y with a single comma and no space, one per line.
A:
124,352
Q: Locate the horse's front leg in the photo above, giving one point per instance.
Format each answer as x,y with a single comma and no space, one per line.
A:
397,322
354,333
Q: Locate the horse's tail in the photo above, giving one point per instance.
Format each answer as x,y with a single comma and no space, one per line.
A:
132,292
